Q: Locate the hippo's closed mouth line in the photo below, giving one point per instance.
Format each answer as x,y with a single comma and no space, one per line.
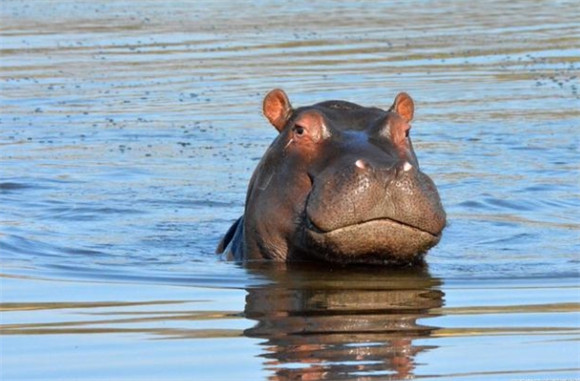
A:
312,227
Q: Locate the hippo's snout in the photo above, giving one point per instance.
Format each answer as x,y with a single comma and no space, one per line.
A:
392,208
361,192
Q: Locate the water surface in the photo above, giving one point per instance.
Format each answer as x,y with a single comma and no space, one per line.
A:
129,131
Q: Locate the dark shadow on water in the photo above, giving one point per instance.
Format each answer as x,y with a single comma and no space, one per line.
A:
336,323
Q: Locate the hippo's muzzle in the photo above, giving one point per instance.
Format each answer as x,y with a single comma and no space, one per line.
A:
365,213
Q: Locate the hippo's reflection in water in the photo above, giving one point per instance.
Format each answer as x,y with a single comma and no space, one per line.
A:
342,324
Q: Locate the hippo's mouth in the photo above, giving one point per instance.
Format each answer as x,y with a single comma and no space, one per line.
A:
381,221
370,241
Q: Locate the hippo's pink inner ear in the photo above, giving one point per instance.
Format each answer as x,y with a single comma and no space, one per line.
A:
277,108
403,106
399,128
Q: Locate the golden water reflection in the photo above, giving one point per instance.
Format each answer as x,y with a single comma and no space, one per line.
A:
343,323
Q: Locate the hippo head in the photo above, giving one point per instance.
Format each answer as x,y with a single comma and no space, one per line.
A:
341,183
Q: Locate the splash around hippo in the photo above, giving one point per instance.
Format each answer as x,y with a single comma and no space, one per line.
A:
340,183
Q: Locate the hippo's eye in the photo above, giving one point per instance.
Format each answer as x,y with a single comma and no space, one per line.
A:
299,130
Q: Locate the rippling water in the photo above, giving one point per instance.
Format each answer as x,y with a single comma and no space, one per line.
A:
128,133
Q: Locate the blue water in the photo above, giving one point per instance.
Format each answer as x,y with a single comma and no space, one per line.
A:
129,131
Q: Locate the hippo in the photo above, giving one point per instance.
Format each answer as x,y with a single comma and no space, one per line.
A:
340,183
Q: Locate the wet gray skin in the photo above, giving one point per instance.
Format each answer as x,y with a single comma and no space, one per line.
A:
340,183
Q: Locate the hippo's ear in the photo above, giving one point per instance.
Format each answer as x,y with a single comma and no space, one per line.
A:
403,106
277,108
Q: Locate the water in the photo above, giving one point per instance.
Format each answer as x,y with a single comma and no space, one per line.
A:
128,133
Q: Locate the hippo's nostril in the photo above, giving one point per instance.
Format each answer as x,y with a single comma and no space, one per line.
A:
361,164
